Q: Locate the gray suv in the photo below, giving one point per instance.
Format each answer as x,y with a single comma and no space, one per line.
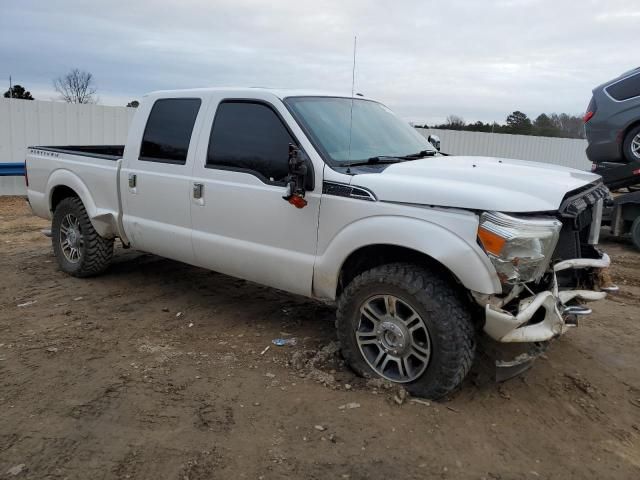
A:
612,121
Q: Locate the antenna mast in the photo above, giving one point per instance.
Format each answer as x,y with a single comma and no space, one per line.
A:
353,71
353,83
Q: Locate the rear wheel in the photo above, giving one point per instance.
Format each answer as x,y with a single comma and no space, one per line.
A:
79,249
406,325
631,145
635,232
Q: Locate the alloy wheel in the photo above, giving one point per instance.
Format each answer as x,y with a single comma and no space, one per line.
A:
71,241
393,338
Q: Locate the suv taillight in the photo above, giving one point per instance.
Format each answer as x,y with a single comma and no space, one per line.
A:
591,111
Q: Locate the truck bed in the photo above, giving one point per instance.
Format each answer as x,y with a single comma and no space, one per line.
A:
91,171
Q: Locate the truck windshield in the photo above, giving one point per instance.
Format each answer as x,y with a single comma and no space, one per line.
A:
375,130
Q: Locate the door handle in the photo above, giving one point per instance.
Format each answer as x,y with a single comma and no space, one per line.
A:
198,190
133,180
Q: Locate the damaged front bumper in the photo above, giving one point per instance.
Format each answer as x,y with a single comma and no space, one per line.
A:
545,315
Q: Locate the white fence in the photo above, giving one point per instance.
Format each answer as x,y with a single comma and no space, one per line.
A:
33,122
568,152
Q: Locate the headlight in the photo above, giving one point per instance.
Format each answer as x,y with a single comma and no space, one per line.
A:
519,248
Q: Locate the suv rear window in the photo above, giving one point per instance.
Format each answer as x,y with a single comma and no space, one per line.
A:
168,132
626,88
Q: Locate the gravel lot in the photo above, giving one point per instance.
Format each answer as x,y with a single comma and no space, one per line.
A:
159,370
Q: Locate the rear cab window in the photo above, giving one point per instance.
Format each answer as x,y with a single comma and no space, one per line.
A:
168,131
249,136
625,89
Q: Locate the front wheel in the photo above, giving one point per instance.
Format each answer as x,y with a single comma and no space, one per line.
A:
79,249
403,323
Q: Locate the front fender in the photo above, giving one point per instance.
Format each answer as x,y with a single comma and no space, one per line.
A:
463,257
102,221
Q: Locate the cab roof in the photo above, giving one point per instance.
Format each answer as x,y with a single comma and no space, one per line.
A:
280,93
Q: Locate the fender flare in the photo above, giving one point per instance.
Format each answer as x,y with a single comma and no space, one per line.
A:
464,259
100,220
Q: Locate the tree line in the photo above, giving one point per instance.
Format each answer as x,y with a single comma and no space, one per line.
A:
561,125
76,86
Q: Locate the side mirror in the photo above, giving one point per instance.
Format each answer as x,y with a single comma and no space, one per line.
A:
435,141
296,180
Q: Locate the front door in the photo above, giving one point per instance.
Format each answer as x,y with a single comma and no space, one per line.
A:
241,224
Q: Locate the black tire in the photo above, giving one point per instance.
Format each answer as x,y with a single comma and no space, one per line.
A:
626,145
442,308
94,251
635,232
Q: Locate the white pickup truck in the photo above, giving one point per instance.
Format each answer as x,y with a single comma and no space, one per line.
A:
336,198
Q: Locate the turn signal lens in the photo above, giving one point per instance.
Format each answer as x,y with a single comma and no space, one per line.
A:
297,201
491,242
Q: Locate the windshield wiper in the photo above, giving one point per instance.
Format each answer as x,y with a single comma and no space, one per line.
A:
391,158
420,154
374,161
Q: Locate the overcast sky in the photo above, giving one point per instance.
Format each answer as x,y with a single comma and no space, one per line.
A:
424,59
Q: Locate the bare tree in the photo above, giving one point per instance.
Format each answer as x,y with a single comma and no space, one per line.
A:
76,87
455,122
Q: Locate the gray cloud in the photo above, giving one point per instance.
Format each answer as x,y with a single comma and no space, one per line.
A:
424,59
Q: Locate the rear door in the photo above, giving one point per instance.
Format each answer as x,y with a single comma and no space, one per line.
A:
241,224
155,177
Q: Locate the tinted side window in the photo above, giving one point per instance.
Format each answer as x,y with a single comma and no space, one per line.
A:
249,136
168,132
625,89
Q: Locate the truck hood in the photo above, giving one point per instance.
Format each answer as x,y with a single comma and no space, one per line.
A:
477,183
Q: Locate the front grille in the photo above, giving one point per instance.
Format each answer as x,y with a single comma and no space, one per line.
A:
577,201
576,214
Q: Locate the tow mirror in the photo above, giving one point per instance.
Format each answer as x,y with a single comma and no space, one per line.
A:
297,178
435,141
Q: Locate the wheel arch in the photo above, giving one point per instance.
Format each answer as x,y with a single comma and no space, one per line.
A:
623,135
633,124
388,239
375,255
64,184
59,193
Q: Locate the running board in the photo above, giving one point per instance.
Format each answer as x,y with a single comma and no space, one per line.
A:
46,232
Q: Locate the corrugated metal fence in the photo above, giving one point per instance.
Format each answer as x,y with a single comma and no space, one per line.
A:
568,152
33,122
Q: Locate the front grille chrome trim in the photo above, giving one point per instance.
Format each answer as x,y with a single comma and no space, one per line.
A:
596,222
576,203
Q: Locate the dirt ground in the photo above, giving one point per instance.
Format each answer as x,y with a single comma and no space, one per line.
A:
161,370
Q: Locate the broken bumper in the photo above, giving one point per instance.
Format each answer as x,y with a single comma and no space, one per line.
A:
559,308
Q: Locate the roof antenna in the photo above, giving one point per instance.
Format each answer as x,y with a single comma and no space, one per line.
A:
353,83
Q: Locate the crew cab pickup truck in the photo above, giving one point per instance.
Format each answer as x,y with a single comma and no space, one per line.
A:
336,198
